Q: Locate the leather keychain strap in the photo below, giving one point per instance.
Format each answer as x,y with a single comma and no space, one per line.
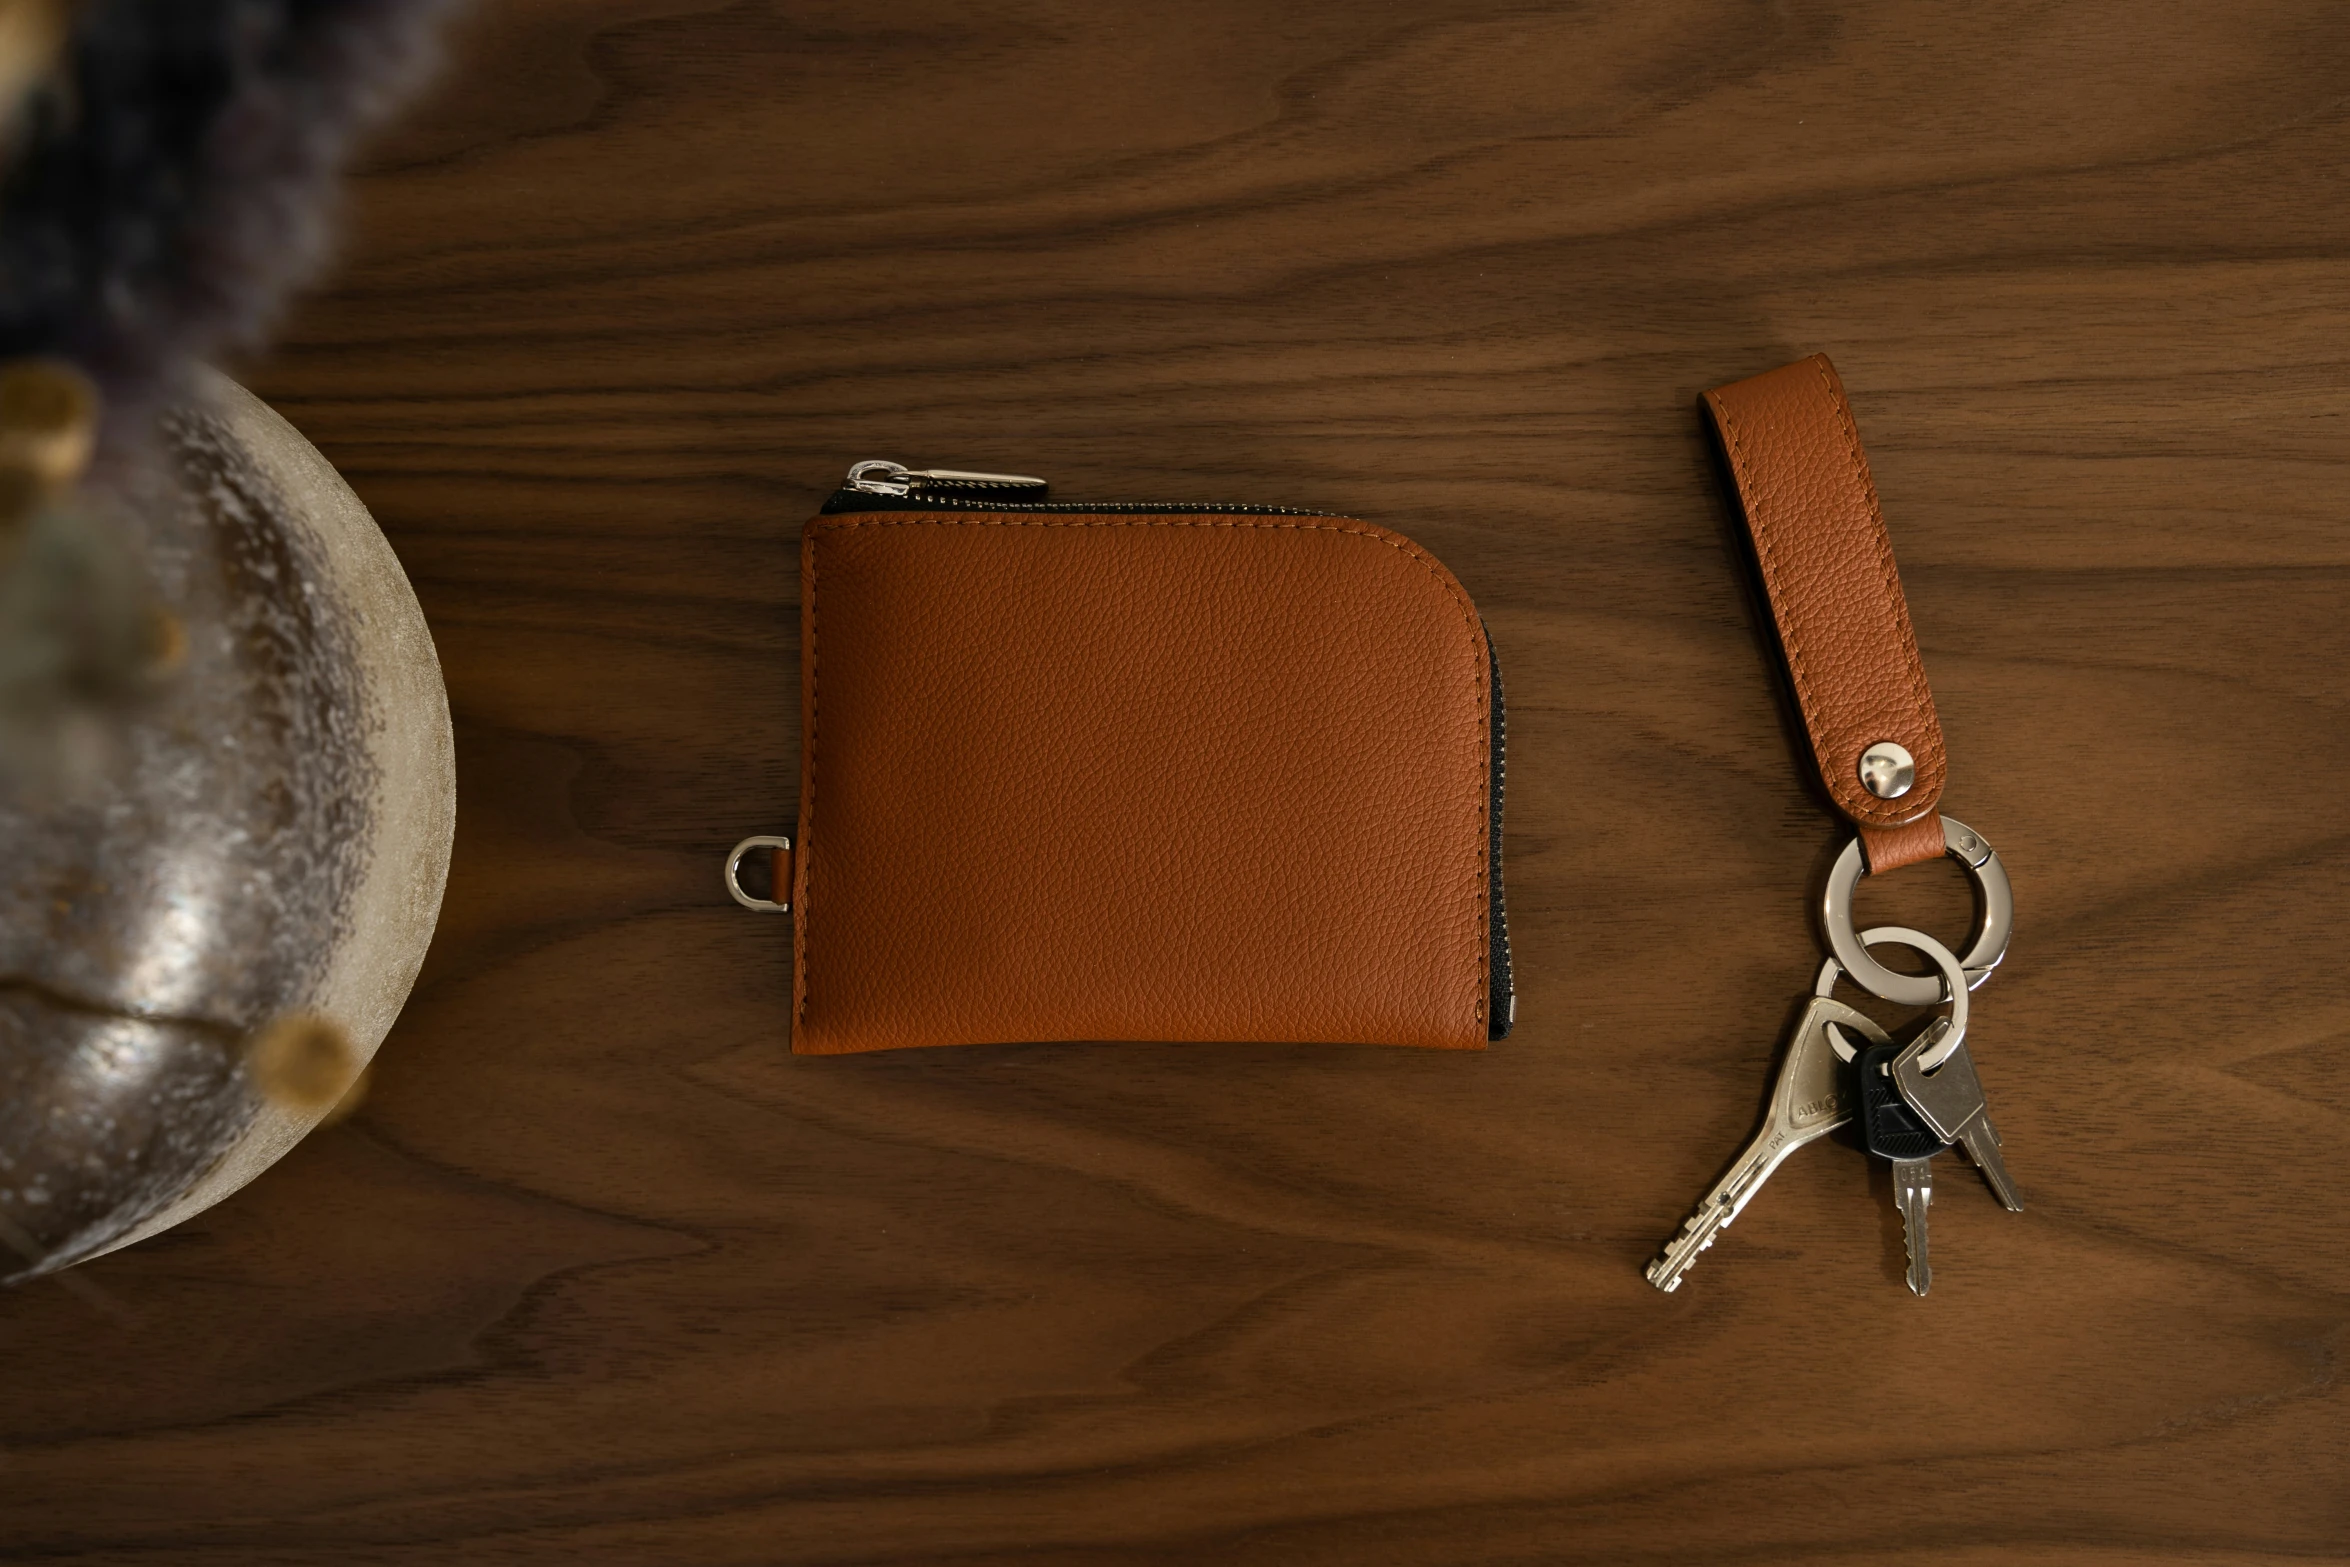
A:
1827,568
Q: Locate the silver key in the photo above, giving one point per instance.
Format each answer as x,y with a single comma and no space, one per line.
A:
1950,1100
1896,1133
1913,1194
1809,1099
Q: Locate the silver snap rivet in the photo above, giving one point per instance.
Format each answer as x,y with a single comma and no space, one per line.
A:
1887,770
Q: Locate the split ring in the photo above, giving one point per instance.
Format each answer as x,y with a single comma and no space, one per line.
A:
1952,980
1951,983
1994,920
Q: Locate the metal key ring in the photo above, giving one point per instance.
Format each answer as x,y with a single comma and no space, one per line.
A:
734,860
1952,984
1832,971
1994,920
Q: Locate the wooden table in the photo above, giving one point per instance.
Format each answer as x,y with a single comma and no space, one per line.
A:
602,1274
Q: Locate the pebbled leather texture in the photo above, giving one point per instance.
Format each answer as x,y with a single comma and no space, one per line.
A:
1890,848
1827,567
1137,777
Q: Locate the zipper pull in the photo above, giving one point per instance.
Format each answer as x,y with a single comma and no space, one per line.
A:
891,478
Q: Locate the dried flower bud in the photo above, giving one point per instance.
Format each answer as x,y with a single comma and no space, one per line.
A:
167,641
303,1062
48,420
31,33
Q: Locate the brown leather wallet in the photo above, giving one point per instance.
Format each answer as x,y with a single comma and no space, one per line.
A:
1138,772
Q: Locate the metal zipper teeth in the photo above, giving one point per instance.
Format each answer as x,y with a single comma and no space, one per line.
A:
865,500
1501,981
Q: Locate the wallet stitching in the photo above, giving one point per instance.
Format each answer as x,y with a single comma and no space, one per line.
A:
1437,573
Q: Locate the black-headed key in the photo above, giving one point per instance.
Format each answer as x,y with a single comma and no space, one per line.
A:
1898,1133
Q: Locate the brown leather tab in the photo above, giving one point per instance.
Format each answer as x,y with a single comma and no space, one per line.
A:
780,866
1827,567
1890,848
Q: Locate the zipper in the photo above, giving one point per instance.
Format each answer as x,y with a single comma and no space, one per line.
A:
897,480
890,486
875,485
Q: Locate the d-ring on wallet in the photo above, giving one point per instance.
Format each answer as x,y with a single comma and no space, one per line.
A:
1826,566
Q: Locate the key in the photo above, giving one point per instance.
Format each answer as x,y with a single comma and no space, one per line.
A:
1810,1098
1950,1100
1895,1132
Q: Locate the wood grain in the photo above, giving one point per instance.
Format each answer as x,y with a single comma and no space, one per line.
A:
601,1274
